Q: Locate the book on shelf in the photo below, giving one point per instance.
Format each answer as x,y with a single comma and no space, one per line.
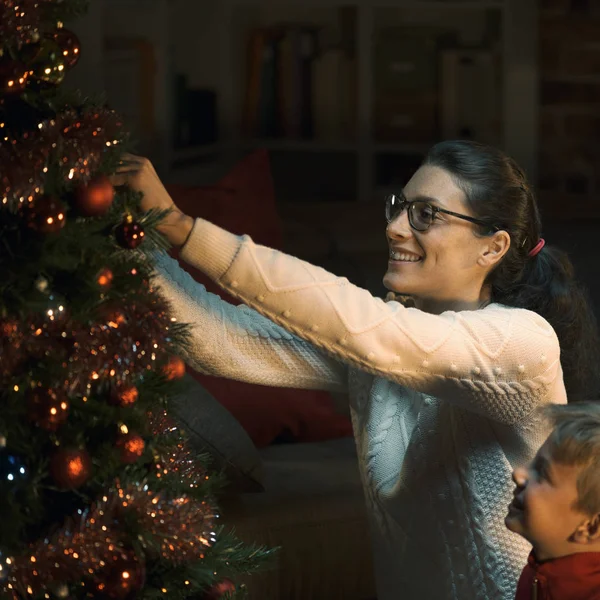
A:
406,98
333,95
294,90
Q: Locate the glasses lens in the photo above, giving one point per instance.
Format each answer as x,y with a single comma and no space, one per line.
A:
420,215
393,207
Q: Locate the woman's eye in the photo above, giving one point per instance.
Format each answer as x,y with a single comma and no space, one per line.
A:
427,212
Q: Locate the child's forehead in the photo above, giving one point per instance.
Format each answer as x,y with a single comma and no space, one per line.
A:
549,457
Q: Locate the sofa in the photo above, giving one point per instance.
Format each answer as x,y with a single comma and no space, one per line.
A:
288,455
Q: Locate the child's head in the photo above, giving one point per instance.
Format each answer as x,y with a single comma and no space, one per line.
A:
556,503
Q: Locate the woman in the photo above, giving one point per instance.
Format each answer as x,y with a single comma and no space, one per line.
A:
442,394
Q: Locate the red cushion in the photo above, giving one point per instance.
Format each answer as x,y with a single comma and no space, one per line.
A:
243,202
271,414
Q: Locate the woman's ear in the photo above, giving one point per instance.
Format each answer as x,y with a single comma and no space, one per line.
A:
493,249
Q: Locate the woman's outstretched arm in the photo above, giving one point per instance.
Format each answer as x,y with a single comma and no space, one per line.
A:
499,362
238,343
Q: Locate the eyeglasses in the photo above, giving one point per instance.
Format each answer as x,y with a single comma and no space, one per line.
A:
421,213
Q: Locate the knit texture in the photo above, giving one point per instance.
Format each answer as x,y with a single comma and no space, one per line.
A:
442,405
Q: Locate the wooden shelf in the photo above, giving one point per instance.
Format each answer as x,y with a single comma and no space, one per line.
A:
400,4
286,145
299,145
401,148
213,56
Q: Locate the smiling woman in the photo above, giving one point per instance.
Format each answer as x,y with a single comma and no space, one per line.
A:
443,395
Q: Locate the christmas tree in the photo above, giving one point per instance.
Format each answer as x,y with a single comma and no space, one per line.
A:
99,495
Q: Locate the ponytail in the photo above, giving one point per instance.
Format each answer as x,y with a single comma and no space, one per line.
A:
548,287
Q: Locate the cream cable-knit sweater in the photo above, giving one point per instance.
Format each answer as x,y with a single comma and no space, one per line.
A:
442,405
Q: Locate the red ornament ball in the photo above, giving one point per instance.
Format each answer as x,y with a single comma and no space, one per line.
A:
13,76
104,278
175,368
47,63
226,586
47,408
124,395
131,446
69,44
70,467
95,198
47,214
130,234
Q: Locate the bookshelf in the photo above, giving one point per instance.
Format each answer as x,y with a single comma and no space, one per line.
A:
207,43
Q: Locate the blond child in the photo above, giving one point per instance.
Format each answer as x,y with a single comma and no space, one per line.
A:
556,507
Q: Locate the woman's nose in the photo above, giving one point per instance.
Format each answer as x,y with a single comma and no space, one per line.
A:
399,226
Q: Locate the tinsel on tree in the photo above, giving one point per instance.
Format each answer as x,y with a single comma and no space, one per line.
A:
100,496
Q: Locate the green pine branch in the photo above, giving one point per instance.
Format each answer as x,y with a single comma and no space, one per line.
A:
51,306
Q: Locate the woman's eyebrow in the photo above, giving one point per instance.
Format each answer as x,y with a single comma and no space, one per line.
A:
423,198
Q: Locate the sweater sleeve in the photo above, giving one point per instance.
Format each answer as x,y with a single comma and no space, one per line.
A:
499,362
238,343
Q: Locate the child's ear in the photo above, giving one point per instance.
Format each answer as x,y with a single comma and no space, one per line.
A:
589,531
594,528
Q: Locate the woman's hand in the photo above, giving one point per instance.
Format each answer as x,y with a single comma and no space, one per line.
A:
138,173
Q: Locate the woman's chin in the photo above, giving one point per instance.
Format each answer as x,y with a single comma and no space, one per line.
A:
397,284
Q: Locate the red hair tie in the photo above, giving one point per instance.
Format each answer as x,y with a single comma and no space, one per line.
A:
536,249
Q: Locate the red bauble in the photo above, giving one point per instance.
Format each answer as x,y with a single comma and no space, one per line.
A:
13,76
47,408
69,43
130,234
70,467
131,446
104,278
123,395
226,586
175,368
95,198
121,579
46,63
46,214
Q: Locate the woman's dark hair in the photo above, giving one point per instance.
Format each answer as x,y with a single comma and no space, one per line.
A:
497,191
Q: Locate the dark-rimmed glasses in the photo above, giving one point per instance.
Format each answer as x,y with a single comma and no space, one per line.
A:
421,213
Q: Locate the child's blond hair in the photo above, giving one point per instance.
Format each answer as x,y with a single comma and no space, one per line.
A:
575,440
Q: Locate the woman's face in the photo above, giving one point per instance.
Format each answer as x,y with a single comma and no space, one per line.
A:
443,263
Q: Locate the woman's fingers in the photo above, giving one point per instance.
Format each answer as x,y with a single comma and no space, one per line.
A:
132,158
129,162
127,167
119,179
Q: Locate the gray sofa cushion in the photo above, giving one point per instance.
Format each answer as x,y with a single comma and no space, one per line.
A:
213,430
